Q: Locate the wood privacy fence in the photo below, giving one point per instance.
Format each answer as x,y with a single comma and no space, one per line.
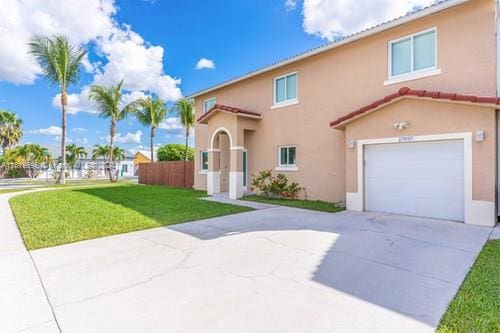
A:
175,173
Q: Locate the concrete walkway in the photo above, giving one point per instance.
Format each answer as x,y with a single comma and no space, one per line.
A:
23,303
276,269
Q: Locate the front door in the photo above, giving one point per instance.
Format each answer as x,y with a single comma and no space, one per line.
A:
224,162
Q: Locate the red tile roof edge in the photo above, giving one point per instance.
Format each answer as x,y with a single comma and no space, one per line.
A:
226,108
405,91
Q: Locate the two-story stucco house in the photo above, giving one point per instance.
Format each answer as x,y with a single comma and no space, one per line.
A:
400,118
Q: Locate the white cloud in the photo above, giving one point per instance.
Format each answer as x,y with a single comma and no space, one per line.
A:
51,130
290,4
127,138
205,63
82,141
125,53
77,102
58,139
79,130
138,63
81,21
171,123
330,19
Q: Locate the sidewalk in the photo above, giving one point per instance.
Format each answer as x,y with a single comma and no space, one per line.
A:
23,302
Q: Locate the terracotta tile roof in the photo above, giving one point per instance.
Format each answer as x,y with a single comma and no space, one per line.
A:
229,109
407,92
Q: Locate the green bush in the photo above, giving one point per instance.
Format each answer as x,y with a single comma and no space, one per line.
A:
275,186
174,152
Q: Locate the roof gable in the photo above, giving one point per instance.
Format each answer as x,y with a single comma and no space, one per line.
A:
406,92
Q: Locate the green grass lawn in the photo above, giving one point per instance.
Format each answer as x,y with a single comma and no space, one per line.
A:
321,206
68,215
476,307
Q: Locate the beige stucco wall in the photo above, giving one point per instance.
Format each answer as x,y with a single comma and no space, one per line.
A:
427,118
341,80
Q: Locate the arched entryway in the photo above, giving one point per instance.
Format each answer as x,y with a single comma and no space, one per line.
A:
226,165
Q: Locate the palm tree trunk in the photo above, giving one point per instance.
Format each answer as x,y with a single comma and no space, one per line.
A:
152,142
185,156
111,138
61,179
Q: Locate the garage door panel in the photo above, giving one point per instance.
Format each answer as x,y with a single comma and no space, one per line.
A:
425,188
422,179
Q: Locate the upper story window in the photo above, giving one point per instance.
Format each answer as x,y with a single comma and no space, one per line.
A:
413,54
208,104
285,89
203,160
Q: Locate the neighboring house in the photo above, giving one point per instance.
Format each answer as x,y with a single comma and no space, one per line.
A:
339,120
143,156
125,168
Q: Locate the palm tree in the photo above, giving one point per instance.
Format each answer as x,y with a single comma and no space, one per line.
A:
118,154
74,153
11,130
150,112
60,62
108,100
29,153
100,151
184,109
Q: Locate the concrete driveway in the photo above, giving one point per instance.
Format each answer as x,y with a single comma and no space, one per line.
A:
272,270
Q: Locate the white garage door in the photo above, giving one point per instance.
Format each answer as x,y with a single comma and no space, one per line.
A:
420,179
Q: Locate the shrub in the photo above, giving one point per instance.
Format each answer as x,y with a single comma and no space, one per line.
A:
275,186
174,152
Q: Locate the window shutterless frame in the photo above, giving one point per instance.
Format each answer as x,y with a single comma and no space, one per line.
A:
412,55
286,101
208,100
279,156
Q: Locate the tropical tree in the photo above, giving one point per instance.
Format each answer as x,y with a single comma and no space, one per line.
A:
109,104
28,155
184,108
60,62
74,153
11,130
118,154
100,151
150,112
174,152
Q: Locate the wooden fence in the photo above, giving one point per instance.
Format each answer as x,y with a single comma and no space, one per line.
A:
175,173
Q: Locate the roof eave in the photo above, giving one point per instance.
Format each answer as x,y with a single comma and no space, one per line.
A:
377,29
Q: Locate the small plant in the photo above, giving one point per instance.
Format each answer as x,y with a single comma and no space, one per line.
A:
277,186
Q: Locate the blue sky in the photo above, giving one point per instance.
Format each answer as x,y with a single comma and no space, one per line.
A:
155,46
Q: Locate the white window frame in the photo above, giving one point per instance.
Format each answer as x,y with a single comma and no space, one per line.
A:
286,167
207,100
286,102
201,161
413,74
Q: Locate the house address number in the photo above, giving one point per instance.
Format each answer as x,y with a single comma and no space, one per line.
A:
406,138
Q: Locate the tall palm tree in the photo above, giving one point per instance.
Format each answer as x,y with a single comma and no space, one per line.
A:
60,62
11,130
150,112
108,102
74,153
184,108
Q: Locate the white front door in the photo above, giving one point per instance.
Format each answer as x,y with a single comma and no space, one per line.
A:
421,179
